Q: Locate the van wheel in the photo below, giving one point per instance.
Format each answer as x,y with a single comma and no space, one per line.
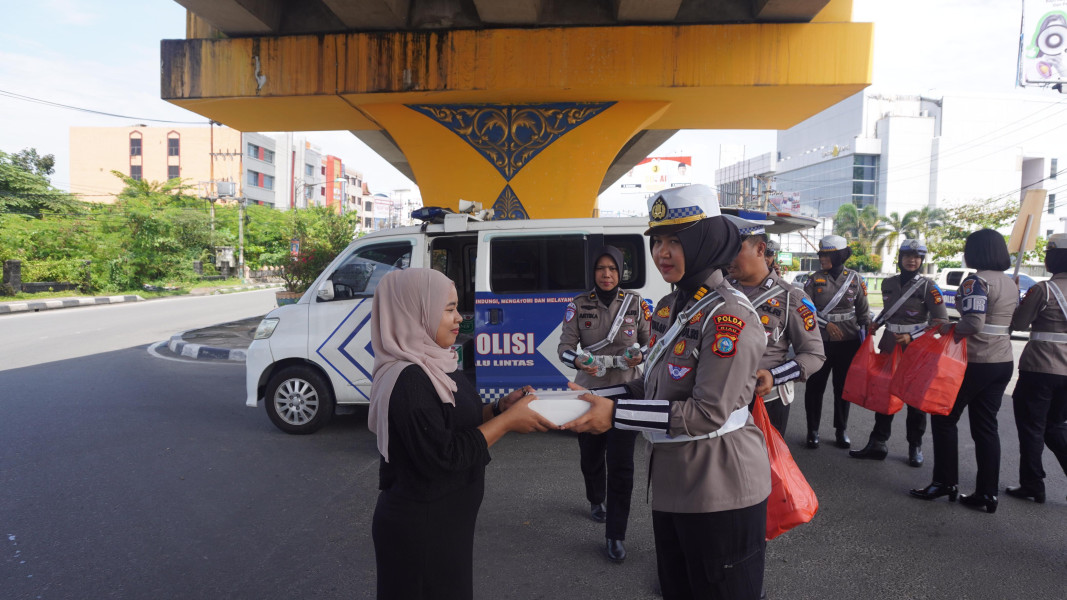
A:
298,400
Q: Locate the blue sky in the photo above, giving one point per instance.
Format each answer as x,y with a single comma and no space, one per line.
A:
104,55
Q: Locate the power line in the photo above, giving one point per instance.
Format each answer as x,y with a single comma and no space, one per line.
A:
91,111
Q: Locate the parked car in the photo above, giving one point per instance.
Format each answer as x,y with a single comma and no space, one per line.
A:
949,281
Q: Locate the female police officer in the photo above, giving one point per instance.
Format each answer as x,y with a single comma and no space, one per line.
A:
840,295
910,302
710,475
986,301
1040,396
607,322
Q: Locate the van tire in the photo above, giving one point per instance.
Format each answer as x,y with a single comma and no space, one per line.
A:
298,400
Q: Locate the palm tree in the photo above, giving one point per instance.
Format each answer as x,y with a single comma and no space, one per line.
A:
919,224
858,225
892,229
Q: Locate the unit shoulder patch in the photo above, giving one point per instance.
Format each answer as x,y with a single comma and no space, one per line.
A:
568,315
935,293
727,330
807,314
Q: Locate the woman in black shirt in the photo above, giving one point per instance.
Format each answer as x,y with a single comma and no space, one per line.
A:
434,435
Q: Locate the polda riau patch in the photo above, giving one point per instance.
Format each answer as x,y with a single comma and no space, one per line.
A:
727,329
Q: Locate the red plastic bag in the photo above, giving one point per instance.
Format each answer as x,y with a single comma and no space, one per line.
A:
931,372
869,375
792,501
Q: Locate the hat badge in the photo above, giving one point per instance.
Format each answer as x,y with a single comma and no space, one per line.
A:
659,209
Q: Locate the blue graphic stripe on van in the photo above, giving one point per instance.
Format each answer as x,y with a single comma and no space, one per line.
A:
368,349
341,347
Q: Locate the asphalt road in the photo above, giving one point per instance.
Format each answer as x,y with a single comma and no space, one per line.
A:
126,476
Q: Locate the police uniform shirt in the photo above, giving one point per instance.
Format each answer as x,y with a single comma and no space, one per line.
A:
1040,311
986,298
822,288
923,305
788,318
587,321
705,375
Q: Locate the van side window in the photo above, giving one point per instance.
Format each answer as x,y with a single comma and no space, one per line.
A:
954,277
360,273
634,258
537,264
455,257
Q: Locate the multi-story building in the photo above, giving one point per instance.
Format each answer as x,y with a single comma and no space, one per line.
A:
902,153
277,170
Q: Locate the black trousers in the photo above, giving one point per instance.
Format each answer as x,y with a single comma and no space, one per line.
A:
711,556
982,392
777,413
839,357
608,468
1040,401
915,426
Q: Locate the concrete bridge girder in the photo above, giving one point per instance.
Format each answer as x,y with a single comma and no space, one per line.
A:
654,78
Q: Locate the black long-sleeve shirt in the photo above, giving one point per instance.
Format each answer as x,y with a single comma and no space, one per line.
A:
434,448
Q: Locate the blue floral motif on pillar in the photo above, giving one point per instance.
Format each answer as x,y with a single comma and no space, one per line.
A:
510,136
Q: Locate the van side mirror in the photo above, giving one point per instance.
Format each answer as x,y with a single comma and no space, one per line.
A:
325,291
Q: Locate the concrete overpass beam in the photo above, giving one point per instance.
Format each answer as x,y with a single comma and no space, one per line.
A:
371,14
238,17
646,11
509,12
785,11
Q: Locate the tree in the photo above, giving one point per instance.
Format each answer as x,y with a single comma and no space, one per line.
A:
863,261
24,191
891,232
30,161
858,225
946,240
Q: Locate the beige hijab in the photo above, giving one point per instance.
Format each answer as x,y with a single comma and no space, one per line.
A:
408,306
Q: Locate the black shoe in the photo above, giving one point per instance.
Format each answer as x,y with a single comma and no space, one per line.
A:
1024,493
936,490
841,439
813,439
986,501
915,455
615,551
597,513
874,450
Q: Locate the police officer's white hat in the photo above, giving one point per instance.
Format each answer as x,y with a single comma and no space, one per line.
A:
1057,241
748,226
831,243
912,246
675,209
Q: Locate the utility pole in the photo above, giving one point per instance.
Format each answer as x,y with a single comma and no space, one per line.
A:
241,236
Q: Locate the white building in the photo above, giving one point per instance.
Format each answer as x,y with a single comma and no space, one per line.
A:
901,153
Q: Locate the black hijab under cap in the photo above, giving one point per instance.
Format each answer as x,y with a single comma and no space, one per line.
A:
1056,260
616,255
837,260
709,244
985,250
906,275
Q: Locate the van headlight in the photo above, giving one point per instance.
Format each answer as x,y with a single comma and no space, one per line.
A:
266,328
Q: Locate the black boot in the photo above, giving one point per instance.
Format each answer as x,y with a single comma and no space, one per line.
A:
915,455
598,513
813,439
842,440
615,551
874,450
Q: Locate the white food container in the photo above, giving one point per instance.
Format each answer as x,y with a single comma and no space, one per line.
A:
560,406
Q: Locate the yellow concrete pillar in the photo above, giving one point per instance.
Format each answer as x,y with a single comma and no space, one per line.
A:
524,160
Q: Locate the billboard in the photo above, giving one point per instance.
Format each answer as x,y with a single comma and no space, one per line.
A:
784,201
1042,42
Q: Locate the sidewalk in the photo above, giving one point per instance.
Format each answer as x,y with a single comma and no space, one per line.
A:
225,341
55,303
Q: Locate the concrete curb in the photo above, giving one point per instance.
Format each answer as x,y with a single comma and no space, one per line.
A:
34,306
181,347
245,288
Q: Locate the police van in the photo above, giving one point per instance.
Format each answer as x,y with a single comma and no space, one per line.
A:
514,279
